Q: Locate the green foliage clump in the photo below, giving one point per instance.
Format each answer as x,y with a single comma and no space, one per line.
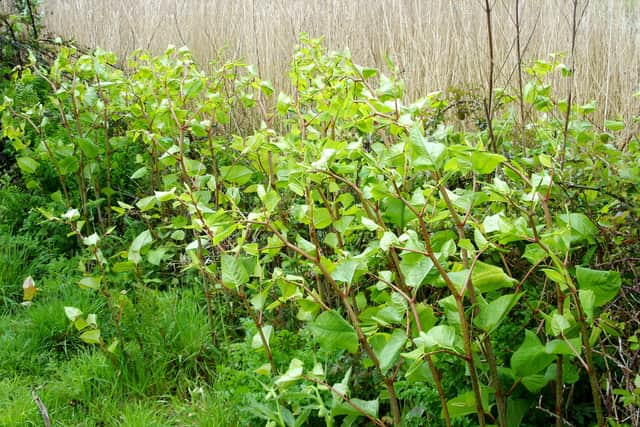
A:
353,259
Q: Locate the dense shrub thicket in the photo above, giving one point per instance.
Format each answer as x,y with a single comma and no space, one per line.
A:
354,259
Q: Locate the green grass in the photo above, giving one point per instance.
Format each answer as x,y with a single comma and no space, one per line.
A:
169,374
19,258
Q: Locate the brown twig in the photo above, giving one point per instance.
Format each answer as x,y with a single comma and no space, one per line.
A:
43,409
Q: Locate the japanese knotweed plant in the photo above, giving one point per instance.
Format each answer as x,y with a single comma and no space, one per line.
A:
401,247
356,217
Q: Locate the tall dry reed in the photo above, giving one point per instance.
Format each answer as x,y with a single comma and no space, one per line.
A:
436,43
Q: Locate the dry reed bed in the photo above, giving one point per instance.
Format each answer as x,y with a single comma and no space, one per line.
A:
436,43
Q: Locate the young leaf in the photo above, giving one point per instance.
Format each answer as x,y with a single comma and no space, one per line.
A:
72,313
296,368
91,240
28,289
90,282
256,341
91,336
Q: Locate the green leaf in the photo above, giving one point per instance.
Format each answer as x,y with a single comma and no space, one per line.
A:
605,285
465,403
140,173
531,357
91,240
256,341
221,233
555,276
284,103
156,256
345,270
369,407
321,218
113,346
164,196
72,313
194,167
535,383
534,253
492,314
178,235
415,269
334,333
237,174
588,301
296,368
27,165
234,273
124,267
426,316
366,72
516,410
90,282
91,337
387,240
88,147
369,224
396,212
146,203
559,323
143,239
581,226
270,199
438,337
423,153
389,353
488,278
560,346
614,125
485,162
68,165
